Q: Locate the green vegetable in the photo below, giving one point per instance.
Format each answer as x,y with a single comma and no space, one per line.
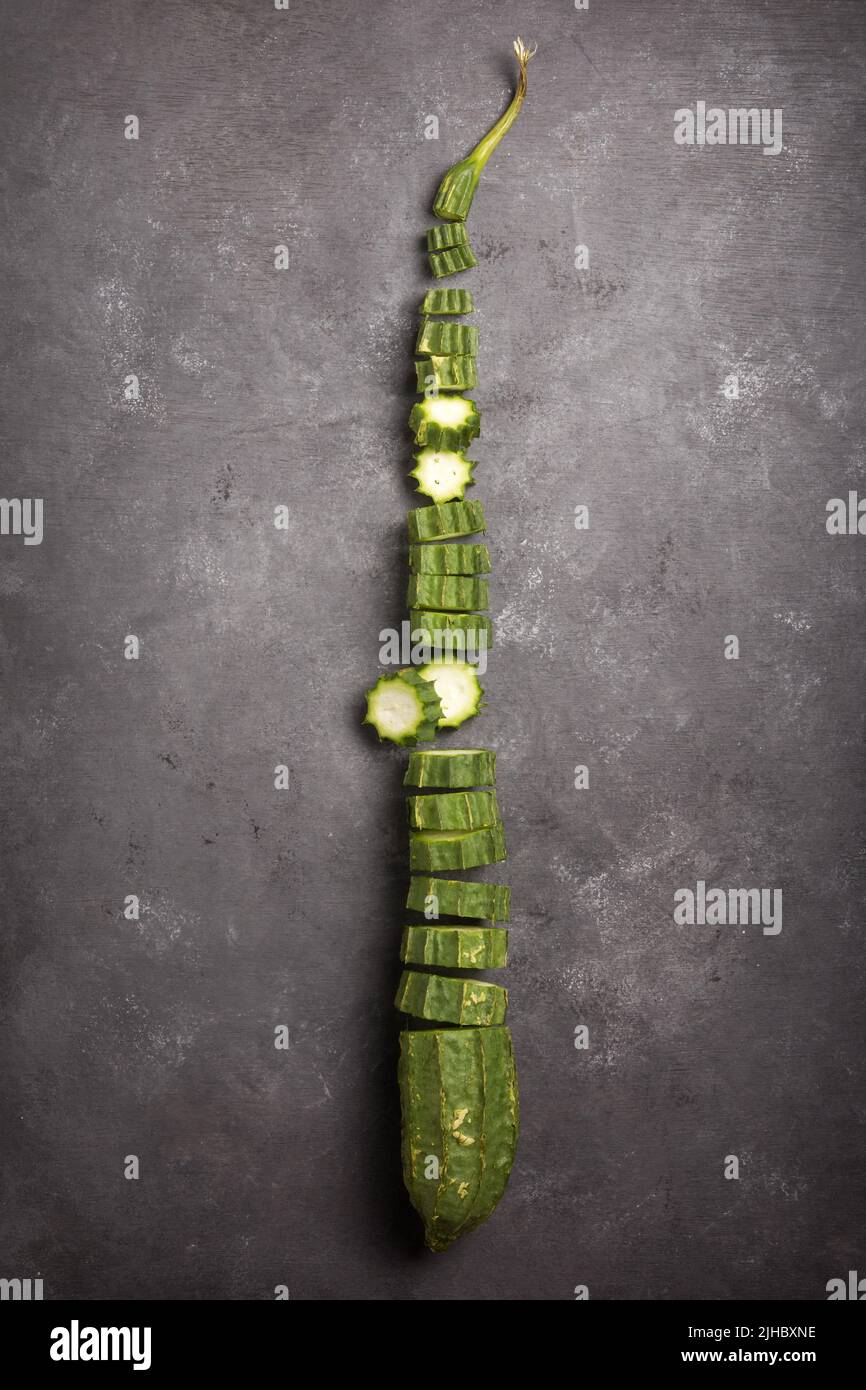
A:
446,421
433,850
457,189
436,338
458,898
465,810
452,234
442,474
451,767
458,1084
458,689
452,261
444,522
403,708
453,632
451,592
445,999
458,1095
460,948
449,559
450,373
448,301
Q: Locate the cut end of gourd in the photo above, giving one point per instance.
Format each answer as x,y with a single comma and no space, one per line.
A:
446,421
442,475
404,708
447,410
456,752
459,690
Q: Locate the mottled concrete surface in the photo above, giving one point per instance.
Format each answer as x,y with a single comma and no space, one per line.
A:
707,518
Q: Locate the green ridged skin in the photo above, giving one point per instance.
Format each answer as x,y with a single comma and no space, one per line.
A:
459,1102
466,810
446,521
450,373
454,897
446,999
452,767
453,631
459,948
451,262
439,339
432,850
440,238
449,559
435,436
451,593
446,421
448,301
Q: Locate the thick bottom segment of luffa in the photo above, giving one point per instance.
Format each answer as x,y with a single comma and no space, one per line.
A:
458,1092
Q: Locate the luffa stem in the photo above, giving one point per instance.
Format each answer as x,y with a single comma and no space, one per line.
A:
457,189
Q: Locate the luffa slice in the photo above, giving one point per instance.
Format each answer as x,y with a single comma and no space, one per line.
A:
442,475
451,767
464,634
450,592
464,810
454,897
460,948
447,999
444,522
458,688
449,559
448,301
435,850
445,421
403,708
451,372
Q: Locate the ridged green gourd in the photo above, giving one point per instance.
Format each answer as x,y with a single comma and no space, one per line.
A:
444,522
448,301
446,421
434,850
404,708
453,632
461,1118
450,373
459,948
446,999
451,767
452,234
451,593
467,810
439,339
451,262
454,897
449,559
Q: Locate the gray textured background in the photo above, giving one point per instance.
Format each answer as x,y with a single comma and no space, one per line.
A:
707,518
